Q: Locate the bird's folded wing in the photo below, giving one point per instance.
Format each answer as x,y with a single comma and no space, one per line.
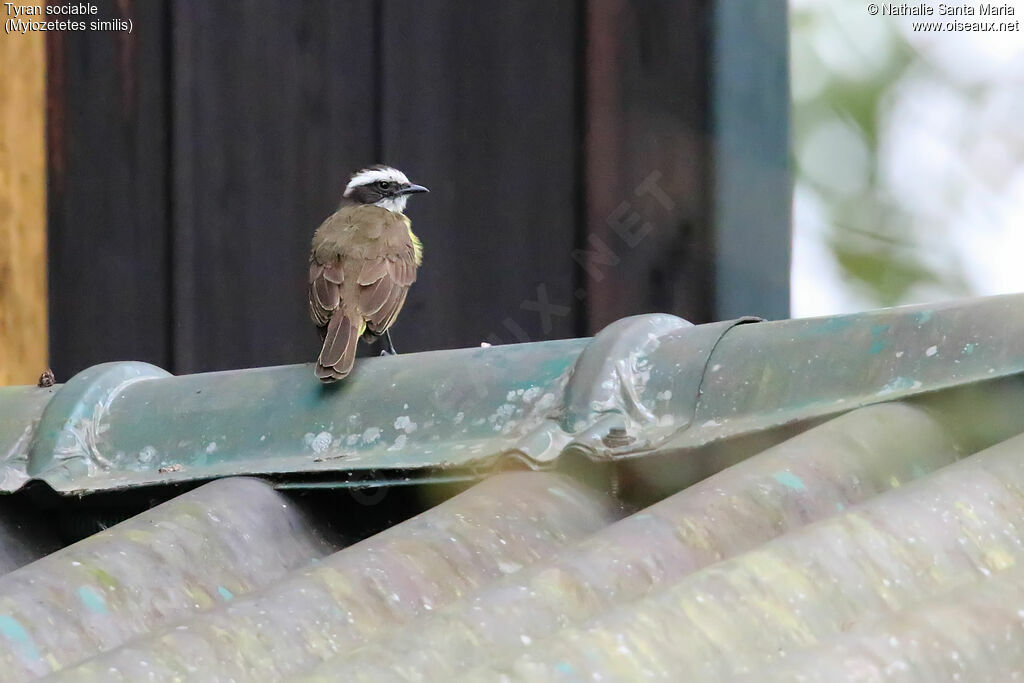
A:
381,258
325,282
383,285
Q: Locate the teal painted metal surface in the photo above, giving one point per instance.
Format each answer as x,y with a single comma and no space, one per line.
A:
644,385
443,410
20,411
792,370
74,423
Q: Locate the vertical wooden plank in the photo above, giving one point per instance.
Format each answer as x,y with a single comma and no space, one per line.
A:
752,177
688,189
480,103
23,335
273,107
649,235
107,170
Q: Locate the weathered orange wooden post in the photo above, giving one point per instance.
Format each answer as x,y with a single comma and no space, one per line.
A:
23,325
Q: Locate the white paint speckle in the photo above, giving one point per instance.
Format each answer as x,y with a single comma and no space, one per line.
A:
371,435
931,350
546,401
399,443
405,424
459,417
504,411
321,442
716,367
147,454
212,447
531,393
484,345
665,395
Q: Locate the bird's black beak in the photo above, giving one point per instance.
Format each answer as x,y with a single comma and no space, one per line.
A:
412,188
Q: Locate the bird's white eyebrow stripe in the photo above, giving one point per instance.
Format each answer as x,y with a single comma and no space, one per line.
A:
372,175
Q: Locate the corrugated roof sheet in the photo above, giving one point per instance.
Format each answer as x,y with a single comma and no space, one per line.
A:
843,500
807,478
972,633
227,538
959,525
496,528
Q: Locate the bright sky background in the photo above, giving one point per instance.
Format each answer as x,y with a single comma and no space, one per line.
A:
950,154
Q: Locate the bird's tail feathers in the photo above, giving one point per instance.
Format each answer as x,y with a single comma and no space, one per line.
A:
339,351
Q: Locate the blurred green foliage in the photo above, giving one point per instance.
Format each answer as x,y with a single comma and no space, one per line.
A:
870,232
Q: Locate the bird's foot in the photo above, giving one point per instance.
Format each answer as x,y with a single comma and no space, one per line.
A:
389,350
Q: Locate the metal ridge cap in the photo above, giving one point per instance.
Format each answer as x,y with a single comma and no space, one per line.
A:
643,384
108,429
121,425
789,371
638,383
21,408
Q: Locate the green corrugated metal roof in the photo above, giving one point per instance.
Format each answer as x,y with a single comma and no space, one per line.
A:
833,485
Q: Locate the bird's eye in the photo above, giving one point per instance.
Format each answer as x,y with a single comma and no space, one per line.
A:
383,185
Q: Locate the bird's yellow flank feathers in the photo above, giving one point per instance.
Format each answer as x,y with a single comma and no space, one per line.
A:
417,246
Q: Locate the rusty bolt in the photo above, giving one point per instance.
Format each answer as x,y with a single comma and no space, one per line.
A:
617,437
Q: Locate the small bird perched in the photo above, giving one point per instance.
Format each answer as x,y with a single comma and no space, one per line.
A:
364,259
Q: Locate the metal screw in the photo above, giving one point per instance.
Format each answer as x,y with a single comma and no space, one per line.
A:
617,437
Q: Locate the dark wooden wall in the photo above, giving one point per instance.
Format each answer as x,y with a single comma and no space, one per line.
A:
566,144
109,195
